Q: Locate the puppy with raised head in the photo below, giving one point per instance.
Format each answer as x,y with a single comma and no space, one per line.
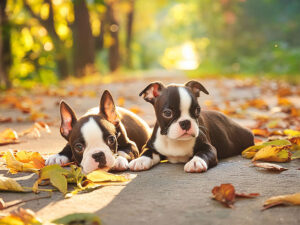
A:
105,137
185,134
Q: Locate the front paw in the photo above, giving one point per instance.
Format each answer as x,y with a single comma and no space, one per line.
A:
142,163
57,159
121,164
195,165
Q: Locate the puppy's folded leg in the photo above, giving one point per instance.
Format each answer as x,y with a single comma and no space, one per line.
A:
148,159
61,158
205,157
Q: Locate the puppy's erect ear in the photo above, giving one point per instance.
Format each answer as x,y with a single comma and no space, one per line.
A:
68,119
152,91
108,108
196,87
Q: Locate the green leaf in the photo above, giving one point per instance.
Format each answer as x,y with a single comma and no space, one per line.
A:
57,176
79,218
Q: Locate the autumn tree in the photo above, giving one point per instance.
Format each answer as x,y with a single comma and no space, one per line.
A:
83,40
48,24
5,51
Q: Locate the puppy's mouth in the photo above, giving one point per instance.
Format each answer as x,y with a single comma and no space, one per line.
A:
186,135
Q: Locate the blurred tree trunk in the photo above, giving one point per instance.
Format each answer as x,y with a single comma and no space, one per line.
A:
129,23
83,40
112,22
60,52
99,40
5,50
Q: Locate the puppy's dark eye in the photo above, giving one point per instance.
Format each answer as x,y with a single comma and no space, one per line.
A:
78,147
197,111
167,113
111,140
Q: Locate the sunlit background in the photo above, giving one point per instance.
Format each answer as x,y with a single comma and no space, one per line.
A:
44,41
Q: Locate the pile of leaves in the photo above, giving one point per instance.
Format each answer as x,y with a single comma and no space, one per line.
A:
57,176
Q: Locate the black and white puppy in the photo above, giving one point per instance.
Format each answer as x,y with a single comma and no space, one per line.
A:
185,134
105,137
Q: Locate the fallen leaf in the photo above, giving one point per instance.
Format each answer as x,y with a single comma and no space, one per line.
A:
260,132
33,158
224,194
57,176
293,199
252,150
291,133
9,184
121,101
295,140
296,155
136,110
2,204
79,218
5,119
21,217
272,153
269,166
284,102
245,195
15,165
103,176
8,136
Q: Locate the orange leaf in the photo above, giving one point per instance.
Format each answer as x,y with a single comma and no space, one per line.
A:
8,136
260,132
225,194
136,110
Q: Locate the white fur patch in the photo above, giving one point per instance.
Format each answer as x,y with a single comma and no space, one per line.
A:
57,159
195,165
175,131
93,138
121,164
142,163
175,150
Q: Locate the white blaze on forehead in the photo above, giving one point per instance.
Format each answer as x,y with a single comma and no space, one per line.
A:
185,102
92,133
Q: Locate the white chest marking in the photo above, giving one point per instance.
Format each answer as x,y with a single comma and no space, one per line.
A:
175,150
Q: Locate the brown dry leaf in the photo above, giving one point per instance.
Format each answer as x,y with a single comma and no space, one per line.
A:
293,199
225,193
269,166
260,132
274,153
32,162
5,119
8,136
295,140
245,195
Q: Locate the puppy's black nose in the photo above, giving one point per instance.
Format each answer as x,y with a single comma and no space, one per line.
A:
185,124
100,157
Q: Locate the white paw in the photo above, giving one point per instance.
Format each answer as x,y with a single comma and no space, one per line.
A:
195,165
142,163
57,159
121,164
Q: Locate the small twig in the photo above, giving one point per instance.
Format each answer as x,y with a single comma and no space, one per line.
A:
27,200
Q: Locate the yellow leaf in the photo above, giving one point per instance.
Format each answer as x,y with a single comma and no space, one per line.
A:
136,110
15,166
293,199
9,184
102,176
121,101
21,217
57,176
291,133
273,153
33,158
252,150
8,136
